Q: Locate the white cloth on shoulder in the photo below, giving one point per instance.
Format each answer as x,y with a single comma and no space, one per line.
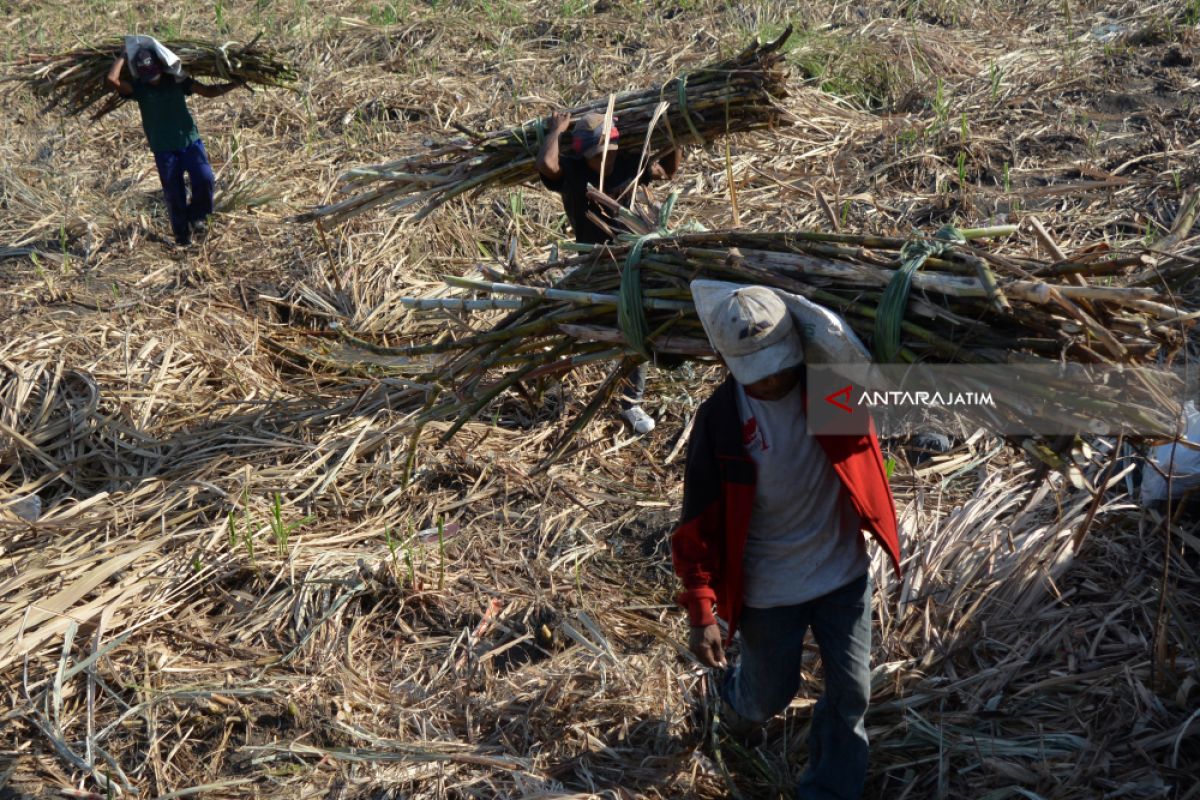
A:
171,63
827,338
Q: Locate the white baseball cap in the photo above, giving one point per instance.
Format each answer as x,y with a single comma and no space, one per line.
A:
750,327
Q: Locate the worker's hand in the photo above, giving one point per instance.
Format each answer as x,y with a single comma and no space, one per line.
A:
705,644
559,122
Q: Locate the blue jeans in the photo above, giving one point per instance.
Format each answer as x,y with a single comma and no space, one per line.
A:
767,676
172,166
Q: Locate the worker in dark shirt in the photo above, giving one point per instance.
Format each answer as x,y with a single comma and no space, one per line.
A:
570,176
173,138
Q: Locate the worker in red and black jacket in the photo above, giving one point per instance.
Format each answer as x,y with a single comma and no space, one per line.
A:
771,537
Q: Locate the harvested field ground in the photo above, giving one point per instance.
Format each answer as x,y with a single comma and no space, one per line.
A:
237,589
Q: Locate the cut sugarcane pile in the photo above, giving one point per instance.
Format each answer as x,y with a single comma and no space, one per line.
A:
73,82
940,300
733,95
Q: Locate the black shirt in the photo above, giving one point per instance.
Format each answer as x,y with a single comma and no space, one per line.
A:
572,185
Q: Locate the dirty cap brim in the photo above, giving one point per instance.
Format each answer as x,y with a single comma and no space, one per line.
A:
750,327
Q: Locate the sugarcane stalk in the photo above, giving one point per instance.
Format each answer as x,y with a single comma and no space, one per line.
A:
491,393
585,298
980,315
618,374
677,345
570,363
733,95
458,303
73,81
970,234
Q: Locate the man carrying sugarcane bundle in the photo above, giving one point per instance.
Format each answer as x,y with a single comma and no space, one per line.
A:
570,176
771,535
160,89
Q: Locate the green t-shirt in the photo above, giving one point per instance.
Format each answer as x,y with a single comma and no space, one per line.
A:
165,117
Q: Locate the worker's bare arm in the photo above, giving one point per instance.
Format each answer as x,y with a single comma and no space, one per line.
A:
547,160
204,90
114,81
666,167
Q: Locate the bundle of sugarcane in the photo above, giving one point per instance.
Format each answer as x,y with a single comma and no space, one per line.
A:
74,81
736,94
939,300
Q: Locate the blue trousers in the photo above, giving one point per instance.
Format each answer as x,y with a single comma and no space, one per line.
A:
767,676
172,166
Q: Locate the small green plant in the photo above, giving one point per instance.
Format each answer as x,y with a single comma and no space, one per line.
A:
281,531
441,528
408,560
246,535
889,467
941,105
392,545
908,139
516,204
845,213
997,76
386,14
499,11
1191,13
846,67
964,128
578,582
1070,46
962,169
1006,179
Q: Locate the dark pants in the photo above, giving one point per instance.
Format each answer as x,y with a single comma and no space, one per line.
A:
634,387
767,676
172,166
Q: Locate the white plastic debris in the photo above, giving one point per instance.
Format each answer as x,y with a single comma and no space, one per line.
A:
1184,470
28,508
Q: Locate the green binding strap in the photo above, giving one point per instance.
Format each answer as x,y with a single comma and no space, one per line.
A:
664,213
540,130
890,314
631,311
683,110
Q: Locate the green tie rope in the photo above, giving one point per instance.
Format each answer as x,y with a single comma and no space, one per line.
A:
683,111
631,312
890,314
539,129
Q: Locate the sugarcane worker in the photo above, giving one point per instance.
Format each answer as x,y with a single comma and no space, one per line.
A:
771,538
172,135
570,176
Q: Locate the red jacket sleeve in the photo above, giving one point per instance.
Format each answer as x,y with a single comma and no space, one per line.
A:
698,542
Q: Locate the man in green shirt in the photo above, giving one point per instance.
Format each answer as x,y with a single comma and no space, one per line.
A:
173,138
